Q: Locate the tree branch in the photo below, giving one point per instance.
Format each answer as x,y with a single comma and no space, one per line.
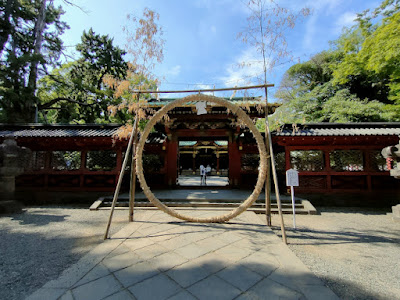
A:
58,99
77,6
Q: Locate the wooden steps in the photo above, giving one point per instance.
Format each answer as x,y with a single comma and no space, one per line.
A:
301,206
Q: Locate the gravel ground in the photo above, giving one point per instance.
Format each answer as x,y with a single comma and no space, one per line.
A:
355,251
37,245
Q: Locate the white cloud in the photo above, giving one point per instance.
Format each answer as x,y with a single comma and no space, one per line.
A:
174,71
345,20
244,70
319,9
204,87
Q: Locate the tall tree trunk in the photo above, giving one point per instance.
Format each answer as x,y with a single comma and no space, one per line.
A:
38,35
33,74
6,28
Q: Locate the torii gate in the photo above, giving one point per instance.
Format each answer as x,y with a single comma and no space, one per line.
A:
137,167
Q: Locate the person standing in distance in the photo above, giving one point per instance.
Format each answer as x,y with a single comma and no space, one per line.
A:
202,175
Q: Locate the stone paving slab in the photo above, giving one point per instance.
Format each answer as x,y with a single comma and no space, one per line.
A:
160,257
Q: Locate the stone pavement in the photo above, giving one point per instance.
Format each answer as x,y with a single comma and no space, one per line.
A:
194,180
160,257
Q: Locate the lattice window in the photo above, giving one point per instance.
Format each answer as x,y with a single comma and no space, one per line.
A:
38,161
152,162
280,163
250,161
66,160
307,160
378,163
101,160
347,160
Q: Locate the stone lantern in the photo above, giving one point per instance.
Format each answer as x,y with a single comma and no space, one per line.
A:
13,161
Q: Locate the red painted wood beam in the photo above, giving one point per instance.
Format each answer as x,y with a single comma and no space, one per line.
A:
234,164
172,162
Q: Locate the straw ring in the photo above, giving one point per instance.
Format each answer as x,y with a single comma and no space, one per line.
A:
243,117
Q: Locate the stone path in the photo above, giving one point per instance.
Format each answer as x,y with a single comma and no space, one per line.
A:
160,257
194,180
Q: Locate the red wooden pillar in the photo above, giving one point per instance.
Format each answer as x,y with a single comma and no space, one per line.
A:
234,163
172,161
287,159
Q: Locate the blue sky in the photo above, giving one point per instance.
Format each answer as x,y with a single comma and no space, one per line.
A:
201,46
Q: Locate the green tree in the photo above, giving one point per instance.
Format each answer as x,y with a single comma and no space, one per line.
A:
357,80
345,107
379,58
350,69
29,44
304,77
370,66
76,92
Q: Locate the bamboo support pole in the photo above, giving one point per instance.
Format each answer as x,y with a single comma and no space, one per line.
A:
278,198
205,90
268,179
117,189
132,188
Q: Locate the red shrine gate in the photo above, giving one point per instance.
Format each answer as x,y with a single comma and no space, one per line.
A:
218,124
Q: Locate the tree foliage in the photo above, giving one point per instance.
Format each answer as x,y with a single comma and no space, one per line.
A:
357,80
79,91
29,44
76,92
145,45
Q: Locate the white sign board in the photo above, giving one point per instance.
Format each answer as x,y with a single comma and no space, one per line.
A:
292,177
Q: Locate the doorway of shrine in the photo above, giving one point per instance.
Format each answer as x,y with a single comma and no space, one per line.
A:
211,154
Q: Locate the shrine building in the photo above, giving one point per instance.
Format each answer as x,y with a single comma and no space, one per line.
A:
332,159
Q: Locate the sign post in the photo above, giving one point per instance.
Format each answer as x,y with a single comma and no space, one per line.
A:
292,179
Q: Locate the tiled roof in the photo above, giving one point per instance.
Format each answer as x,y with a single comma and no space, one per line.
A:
339,129
156,138
57,131
237,100
39,130
107,130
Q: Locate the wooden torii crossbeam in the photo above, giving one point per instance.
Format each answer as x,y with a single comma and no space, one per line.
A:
270,159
